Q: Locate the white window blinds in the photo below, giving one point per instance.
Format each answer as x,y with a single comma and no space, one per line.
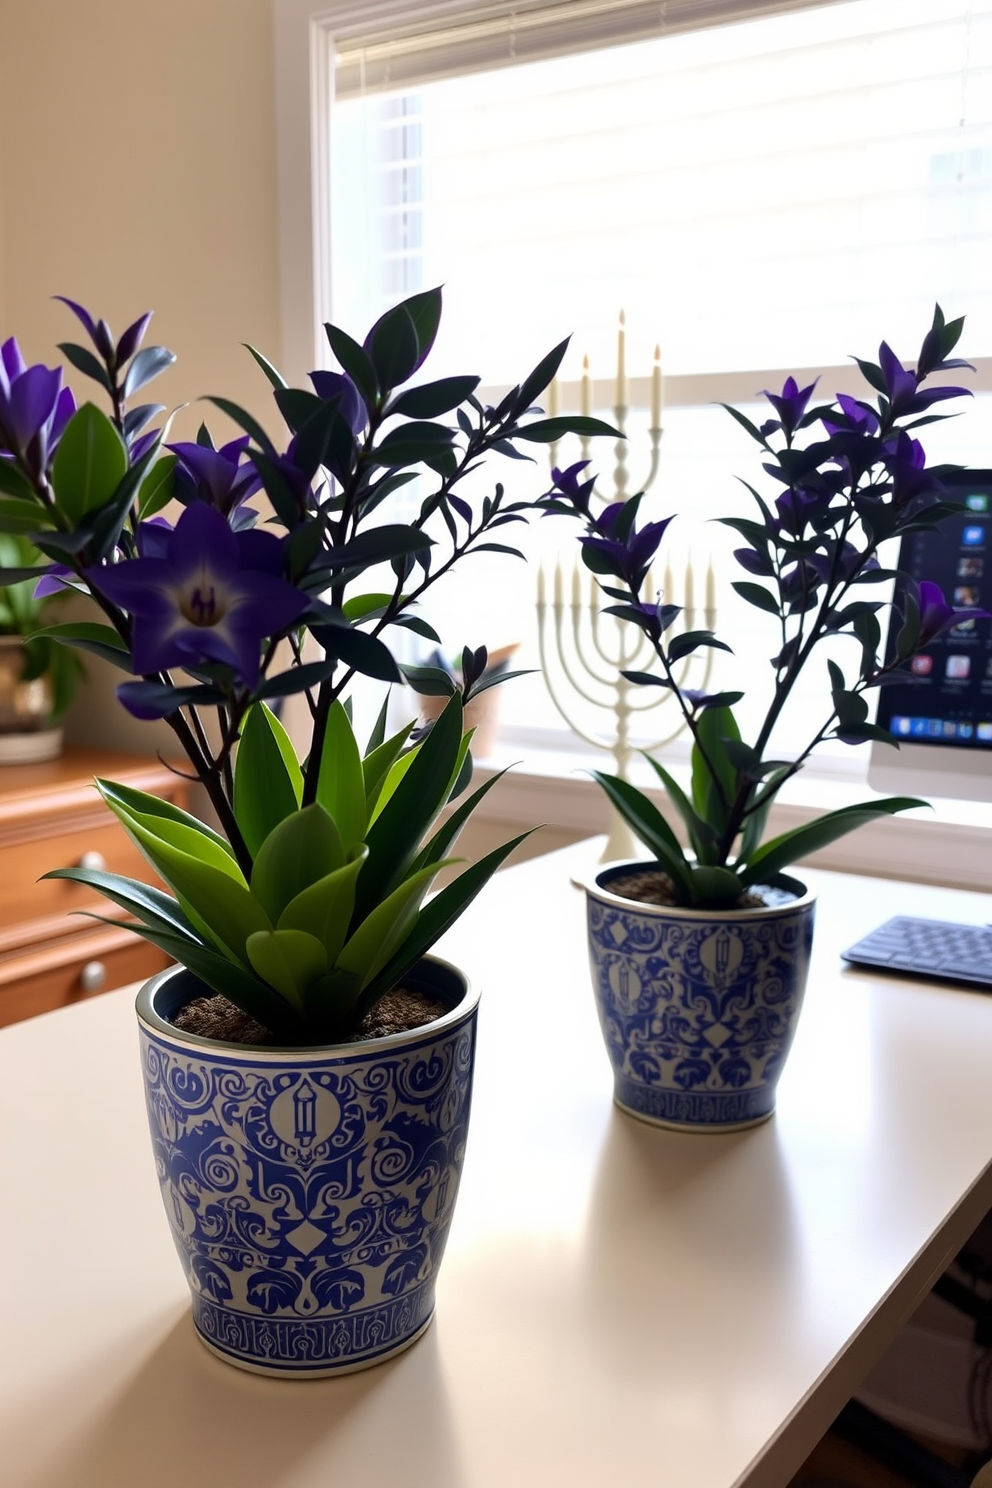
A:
397,50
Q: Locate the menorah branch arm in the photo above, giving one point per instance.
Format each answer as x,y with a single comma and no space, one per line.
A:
549,684
566,667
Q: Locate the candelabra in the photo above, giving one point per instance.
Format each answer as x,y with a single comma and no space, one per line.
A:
591,653
581,647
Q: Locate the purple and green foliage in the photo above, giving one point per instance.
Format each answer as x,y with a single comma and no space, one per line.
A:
847,477
308,904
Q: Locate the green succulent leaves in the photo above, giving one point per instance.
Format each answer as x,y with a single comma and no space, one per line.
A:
335,898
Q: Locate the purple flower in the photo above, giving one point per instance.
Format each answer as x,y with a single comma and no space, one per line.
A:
566,485
790,404
912,483
797,506
936,615
58,577
841,566
207,595
218,477
628,557
331,386
903,389
855,417
34,408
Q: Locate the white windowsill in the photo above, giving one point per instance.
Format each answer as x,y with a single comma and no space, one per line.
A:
951,844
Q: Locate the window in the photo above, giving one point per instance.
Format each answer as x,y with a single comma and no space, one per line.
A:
760,197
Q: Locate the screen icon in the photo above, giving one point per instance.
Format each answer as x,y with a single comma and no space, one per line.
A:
965,730
922,666
966,595
900,725
984,732
971,567
958,668
973,537
918,727
977,502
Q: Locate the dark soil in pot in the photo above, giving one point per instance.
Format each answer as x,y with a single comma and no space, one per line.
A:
397,1011
651,886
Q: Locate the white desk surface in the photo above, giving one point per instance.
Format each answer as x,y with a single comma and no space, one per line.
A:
615,1300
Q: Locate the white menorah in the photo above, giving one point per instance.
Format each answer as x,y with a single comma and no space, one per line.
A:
581,647
591,653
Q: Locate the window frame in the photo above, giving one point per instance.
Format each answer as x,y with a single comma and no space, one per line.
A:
954,846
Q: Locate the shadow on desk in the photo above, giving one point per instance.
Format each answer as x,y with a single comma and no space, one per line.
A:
664,1194
183,1416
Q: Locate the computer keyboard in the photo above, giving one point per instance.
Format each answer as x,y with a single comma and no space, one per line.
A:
941,949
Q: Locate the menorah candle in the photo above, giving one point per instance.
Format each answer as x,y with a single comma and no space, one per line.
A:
710,597
559,588
656,390
576,588
690,592
622,362
542,598
553,398
586,389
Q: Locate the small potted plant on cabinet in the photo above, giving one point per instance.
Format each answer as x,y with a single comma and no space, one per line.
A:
699,957
307,1065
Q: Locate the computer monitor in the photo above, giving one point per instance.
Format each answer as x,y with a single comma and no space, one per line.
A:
942,715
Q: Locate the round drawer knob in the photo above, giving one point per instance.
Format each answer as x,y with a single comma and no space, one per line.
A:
95,862
93,974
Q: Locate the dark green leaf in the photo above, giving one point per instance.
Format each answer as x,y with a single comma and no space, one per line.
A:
757,596
155,490
13,483
550,430
434,398
363,653
647,822
429,681
276,378
245,421
84,361
355,361
101,640
689,640
788,848
89,463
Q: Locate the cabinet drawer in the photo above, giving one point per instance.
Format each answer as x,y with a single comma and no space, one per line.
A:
51,976
25,901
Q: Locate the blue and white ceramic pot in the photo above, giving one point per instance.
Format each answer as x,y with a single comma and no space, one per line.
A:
310,1190
698,1007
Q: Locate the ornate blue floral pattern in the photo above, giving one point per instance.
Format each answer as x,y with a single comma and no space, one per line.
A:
309,1191
698,1009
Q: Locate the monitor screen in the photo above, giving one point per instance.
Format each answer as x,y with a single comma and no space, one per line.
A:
942,714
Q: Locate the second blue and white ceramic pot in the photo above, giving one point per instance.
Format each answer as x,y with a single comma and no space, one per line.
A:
698,1007
310,1190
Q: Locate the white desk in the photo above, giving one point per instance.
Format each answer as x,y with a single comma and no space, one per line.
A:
616,1300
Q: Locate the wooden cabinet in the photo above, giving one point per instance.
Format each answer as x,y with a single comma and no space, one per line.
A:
52,817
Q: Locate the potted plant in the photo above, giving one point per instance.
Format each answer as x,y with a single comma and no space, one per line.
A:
482,671
699,957
38,678
308,1067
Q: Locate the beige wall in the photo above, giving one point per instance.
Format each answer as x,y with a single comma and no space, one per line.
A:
137,171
